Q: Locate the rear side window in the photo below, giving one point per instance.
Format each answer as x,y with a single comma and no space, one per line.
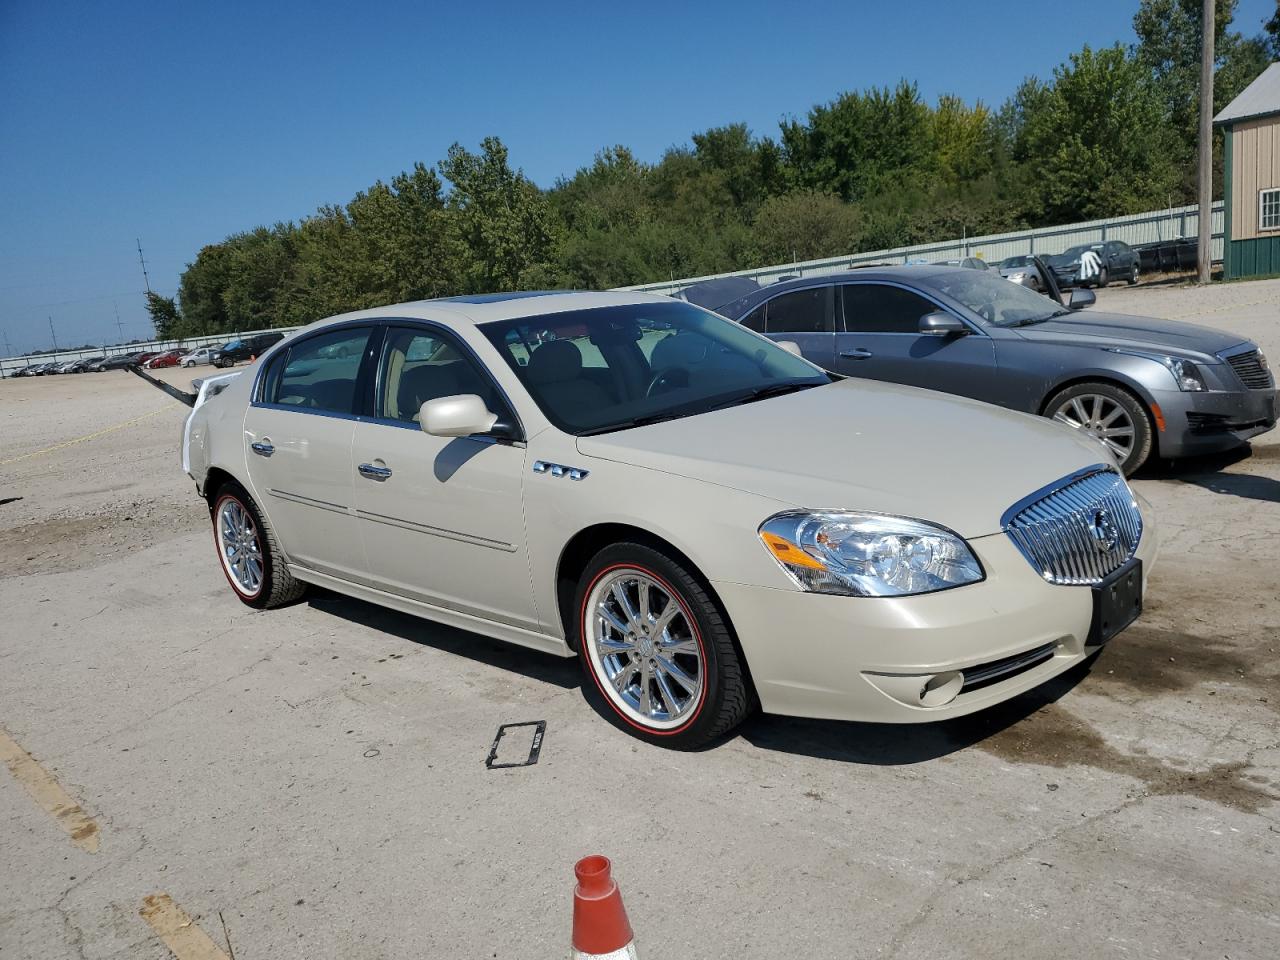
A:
879,308
804,311
319,373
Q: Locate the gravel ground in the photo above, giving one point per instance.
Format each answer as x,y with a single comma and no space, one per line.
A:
309,782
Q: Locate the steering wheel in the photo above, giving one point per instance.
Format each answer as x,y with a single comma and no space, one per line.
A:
668,378
987,311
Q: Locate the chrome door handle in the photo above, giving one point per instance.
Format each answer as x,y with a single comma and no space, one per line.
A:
370,472
262,448
858,354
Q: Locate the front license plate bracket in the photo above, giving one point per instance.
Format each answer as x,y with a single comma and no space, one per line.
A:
1117,602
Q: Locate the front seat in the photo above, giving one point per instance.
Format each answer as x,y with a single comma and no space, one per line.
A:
421,384
555,377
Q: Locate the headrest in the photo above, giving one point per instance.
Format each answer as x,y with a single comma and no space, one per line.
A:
554,362
681,350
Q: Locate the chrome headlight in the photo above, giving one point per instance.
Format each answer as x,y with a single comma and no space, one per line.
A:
1185,373
866,554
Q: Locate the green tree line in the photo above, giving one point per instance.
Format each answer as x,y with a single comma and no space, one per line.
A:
1111,131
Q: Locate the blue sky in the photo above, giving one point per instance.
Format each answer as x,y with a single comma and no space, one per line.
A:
180,123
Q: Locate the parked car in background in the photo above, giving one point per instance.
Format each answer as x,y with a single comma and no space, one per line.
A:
1142,387
1117,261
969,263
1022,270
167,359
707,521
234,351
82,365
200,355
122,360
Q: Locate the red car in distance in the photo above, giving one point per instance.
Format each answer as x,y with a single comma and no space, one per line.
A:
169,359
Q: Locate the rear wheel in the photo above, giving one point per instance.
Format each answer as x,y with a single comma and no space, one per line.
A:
1133,274
657,649
247,549
1111,414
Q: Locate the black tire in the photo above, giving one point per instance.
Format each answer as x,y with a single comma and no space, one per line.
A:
278,587
727,697
1143,434
1103,278
1133,275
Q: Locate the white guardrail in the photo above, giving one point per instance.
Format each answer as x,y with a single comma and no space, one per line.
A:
1155,226
1152,227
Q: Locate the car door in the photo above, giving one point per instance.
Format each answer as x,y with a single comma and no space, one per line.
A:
805,317
441,518
881,340
297,434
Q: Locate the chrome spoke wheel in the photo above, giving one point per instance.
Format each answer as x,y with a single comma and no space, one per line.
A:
1102,417
240,546
643,646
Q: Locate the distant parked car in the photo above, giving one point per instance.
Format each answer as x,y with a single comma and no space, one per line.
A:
1142,387
200,355
969,263
121,360
82,365
167,359
233,351
1022,270
1119,261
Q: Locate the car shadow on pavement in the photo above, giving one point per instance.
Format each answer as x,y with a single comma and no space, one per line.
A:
1208,472
544,667
901,744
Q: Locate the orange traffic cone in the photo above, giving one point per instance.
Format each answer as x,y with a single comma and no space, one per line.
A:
600,926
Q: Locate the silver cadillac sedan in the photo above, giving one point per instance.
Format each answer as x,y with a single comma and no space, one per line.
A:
708,521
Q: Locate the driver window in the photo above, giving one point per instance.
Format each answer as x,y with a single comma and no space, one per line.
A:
421,365
879,308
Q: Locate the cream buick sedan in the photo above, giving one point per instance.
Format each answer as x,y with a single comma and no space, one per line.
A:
709,522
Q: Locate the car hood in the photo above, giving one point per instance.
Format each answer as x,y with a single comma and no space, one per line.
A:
1132,333
865,445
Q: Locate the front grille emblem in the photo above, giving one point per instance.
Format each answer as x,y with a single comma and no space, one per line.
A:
1104,531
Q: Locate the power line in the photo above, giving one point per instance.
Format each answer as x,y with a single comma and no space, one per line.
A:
119,325
145,279
54,335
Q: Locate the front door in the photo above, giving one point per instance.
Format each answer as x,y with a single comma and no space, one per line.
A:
441,518
298,435
881,340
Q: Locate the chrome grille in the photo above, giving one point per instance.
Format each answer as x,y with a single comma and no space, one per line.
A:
1078,530
1251,369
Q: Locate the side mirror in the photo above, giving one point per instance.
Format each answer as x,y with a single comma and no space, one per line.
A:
790,346
941,324
1081,297
461,415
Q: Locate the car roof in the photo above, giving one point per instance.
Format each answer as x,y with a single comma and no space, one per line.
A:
477,309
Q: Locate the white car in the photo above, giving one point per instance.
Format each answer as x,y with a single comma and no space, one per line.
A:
708,521
200,355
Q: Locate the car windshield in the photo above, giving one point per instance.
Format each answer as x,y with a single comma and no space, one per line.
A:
1015,262
230,345
610,368
1075,253
996,300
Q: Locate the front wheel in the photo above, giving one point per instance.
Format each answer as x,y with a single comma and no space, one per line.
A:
1103,278
1133,275
249,553
1109,413
656,647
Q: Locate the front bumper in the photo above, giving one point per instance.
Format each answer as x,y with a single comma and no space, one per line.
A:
1213,420
867,659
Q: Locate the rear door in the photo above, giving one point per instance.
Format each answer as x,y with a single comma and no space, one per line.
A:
298,432
881,340
441,518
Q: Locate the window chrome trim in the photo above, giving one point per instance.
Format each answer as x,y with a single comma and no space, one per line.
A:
292,408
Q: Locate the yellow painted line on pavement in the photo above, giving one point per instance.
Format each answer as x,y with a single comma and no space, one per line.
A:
90,436
47,792
174,926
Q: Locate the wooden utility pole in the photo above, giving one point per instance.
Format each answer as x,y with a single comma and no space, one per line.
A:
1204,250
